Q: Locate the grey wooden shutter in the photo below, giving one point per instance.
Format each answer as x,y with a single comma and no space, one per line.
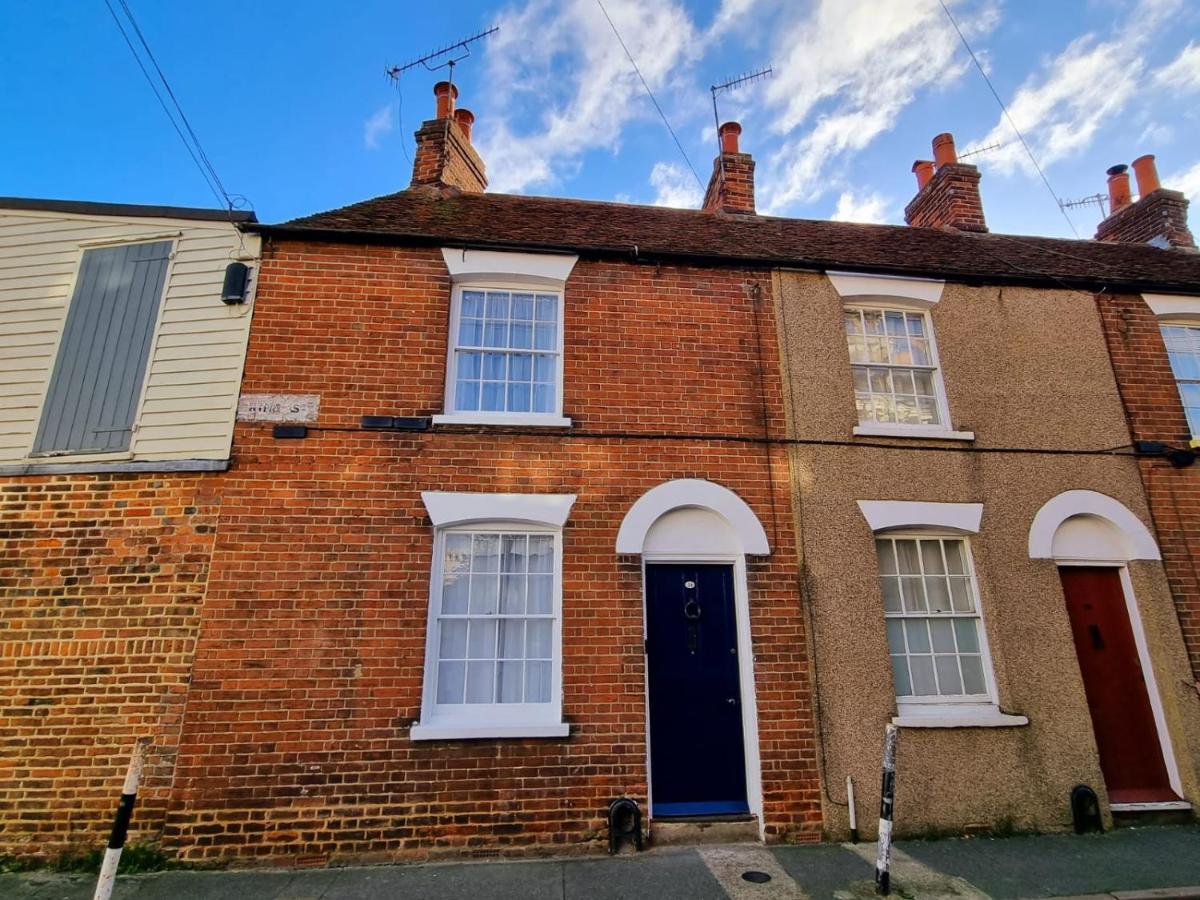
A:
105,347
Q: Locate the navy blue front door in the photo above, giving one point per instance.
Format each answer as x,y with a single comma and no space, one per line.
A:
697,756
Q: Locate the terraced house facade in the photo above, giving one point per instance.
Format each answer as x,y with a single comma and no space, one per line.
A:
534,504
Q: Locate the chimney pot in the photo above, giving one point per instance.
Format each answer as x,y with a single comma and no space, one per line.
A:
446,94
923,168
944,153
1146,172
465,119
729,136
1118,188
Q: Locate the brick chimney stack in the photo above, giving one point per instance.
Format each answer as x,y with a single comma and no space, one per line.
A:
1158,216
445,158
947,191
731,187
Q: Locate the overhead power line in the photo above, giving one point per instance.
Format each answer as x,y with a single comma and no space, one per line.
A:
1004,109
650,94
190,140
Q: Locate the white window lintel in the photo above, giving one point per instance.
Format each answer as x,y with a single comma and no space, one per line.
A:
490,266
858,286
1173,306
889,515
448,508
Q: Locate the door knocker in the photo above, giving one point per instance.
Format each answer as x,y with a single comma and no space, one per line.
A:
691,612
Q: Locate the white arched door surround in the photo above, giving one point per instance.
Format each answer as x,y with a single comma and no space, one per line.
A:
691,520
1087,528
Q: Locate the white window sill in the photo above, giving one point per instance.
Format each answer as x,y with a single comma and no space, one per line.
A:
884,429
540,420
958,718
420,732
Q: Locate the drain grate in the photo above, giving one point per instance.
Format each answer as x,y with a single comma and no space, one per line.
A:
756,877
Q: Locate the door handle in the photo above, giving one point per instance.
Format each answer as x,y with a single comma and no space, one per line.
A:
731,701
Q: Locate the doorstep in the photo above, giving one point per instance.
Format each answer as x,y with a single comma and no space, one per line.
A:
693,830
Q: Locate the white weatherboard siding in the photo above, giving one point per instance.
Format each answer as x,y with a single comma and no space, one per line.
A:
198,346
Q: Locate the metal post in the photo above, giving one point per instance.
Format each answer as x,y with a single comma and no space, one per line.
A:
853,811
116,841
887,803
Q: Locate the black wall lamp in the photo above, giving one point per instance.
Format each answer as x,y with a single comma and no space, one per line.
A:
237,279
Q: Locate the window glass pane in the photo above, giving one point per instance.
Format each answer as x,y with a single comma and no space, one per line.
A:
900,676
511,678
520,335
543,398
923,684
872,321
891,594
544,336
942,633
544,368
894,322
852,322
972,671
906,409
923,382
914,594
547,308
512,552
927,411
520,367
472,304
512,595
949,682
495,334
965,630
470,332
451,681
494,366
961,596
454,640
537,682
862,383
956,560
522,307
497,305
858,350
485,597
470,365
492,398
906,557
485,553
919,350
512,639
887,556
931,558
539,639
916,326
481,684
540,601
877,349
880,380
937,594
520,396
466,395
481,644
454,594
895,635
917,632
541,553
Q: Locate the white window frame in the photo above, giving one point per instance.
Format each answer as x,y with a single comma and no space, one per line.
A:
453,513
482,270
947,521
1193,323
1175,309
944,430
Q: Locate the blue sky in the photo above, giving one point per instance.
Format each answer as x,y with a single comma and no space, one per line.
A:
291,103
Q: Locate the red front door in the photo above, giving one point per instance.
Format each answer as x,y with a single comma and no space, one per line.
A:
1130,755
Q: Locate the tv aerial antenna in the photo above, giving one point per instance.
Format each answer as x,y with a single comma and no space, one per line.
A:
446,57
1092,200
732,85
979,151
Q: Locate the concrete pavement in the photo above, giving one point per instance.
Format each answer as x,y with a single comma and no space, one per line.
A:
1134,860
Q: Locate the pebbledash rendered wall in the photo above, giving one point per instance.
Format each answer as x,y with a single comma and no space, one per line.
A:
309,666
1008,380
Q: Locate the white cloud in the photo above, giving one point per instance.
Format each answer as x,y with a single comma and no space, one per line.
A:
562,85
856,67
1061,109
380,123
872,208
675,186
1183,73
1187,181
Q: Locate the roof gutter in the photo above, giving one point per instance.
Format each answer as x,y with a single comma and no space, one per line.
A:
633,252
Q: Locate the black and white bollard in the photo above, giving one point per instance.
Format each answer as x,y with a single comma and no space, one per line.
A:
116,841
887,803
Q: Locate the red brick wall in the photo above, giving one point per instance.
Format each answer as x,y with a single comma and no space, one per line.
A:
950,200
1155,413
311,658
101,579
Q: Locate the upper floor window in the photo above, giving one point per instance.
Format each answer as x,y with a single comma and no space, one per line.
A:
505,348
893,361
1183,348
507,355
98,376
